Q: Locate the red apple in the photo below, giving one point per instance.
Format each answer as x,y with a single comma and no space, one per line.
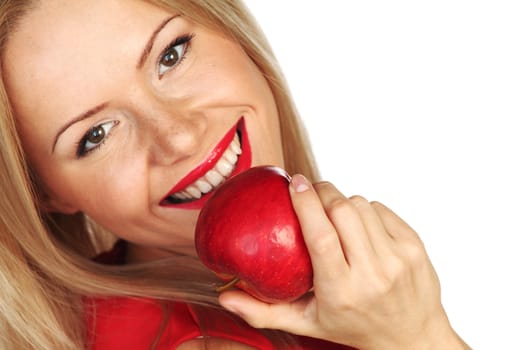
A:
249,235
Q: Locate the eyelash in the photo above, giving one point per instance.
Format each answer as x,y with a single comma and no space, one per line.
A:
184,40
81,145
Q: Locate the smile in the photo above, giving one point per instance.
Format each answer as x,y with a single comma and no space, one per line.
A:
229,157
214,177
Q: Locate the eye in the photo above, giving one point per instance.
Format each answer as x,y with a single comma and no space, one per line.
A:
174,53
94,138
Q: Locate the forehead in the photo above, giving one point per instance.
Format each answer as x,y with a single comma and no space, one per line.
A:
64,49
58,20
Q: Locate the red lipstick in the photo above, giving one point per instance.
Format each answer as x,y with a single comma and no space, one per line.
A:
243,163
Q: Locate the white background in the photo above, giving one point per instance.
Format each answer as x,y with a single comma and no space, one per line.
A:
420,105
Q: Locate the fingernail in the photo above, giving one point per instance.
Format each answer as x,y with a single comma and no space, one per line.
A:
300,183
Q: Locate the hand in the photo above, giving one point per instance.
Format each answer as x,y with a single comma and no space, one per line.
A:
374,285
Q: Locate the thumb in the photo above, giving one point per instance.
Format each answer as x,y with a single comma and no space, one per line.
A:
288,317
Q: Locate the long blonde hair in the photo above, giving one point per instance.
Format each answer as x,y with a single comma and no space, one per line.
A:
45,260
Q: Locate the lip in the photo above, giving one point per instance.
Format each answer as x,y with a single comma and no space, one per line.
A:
243,163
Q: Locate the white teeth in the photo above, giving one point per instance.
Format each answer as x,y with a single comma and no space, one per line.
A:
224,167
235,146
230,156
214,177
194,191
203,186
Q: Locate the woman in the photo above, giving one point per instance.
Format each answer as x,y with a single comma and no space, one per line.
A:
115,115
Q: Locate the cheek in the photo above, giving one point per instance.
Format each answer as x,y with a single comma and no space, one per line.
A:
265,135
98,187
266,145
117,202
119,190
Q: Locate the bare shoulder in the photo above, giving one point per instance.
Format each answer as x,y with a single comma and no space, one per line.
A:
213,343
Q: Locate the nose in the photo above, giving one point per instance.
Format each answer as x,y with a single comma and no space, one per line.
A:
173,137
171,128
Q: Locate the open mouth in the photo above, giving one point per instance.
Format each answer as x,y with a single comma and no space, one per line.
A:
229,157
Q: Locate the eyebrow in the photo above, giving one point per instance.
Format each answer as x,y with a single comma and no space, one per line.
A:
149,45
143,57
77,119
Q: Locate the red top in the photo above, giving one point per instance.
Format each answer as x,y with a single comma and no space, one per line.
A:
139,323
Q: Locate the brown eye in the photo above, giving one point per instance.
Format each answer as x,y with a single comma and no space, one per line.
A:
171,57
174,54
96,135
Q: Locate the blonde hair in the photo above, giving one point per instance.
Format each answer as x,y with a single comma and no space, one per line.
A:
45,260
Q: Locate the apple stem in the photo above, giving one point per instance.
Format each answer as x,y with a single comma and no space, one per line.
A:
227,285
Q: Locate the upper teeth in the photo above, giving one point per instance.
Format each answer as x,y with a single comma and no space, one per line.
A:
214,177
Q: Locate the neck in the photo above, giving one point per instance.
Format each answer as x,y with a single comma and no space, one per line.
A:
138,254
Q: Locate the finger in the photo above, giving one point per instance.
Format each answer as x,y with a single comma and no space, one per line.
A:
289,317
380,239
347,221
396,227
412,250
409,241
328,260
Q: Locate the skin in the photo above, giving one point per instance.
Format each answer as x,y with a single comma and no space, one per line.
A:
375,287
85,54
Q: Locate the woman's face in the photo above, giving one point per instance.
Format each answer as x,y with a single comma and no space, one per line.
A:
129,113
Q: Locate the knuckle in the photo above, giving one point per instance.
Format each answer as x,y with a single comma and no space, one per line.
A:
359,201
386,279
323,185
323,243
397,270
338,206
377,205
415,253
384,283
